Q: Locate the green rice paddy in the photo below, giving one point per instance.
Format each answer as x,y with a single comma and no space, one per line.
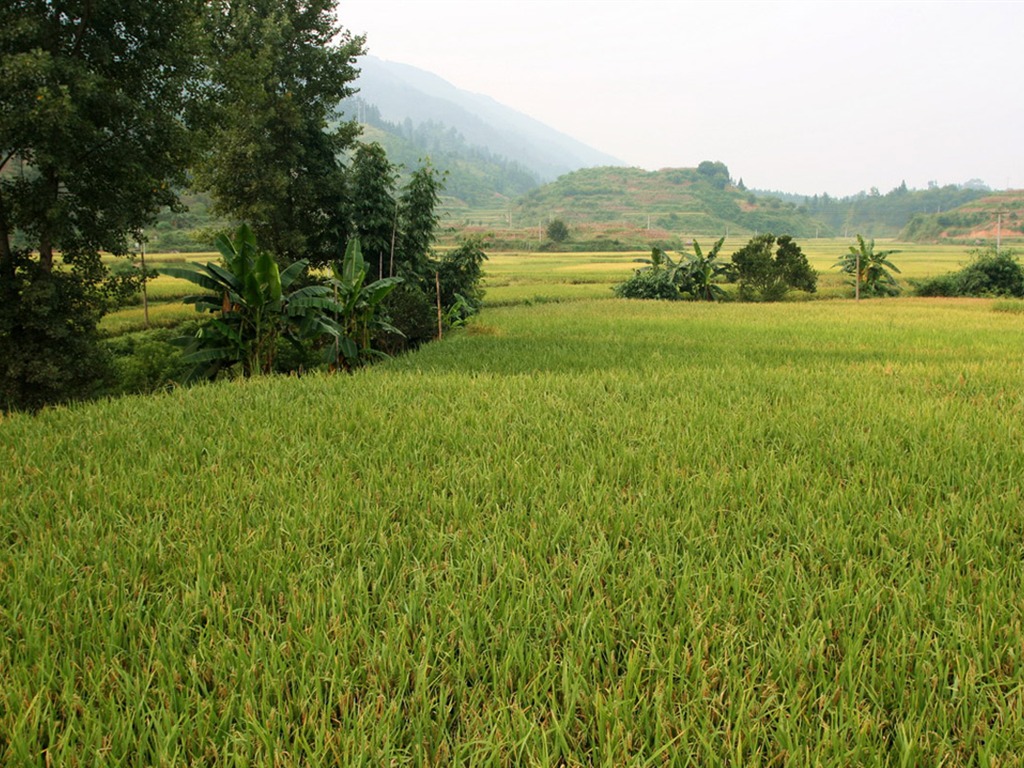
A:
589,532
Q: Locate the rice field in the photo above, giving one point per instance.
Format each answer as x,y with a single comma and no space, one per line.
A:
588,533
512,278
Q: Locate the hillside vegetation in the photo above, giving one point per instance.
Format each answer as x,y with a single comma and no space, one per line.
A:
690,201
977,220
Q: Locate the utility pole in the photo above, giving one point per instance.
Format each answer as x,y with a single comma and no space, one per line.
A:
999,230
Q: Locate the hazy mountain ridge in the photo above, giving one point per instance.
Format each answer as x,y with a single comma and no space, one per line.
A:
402,92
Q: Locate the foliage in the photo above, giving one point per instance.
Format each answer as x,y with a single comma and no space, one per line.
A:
705,272
649,284
275,74
768,267
252,306
357,313
991,273
146,361
870,271
49,347
458,272
557,231
92,144
372,208
715,173
413,313
694,276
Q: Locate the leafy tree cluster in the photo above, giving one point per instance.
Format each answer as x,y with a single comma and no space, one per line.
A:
93,141
107,110
990,273
766,268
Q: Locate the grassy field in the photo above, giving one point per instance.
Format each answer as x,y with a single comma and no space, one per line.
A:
586,533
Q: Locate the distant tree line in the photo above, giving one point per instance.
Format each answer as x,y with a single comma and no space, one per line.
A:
880,215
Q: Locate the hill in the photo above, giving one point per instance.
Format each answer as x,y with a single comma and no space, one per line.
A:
993,215
687,201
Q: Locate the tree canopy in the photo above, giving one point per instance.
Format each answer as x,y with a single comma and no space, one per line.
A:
93,141
276,72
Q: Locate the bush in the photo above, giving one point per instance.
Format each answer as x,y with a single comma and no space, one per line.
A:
990,274
49,347
411,311
768,276
649,284
147,361
459,272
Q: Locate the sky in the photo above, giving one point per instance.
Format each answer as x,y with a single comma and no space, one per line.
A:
801,97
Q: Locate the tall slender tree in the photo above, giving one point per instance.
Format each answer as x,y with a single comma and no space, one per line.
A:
276,72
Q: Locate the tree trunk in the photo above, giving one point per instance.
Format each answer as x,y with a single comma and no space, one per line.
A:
6,253
46,236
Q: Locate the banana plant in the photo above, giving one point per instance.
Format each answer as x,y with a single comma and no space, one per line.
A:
706,271
252,307
677,271
869,270
357,313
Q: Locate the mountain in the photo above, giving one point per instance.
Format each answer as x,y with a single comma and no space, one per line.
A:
406,96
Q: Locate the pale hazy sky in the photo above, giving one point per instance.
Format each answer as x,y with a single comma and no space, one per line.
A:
799,96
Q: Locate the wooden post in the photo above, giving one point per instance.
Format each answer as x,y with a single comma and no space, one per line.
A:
437,285
145,293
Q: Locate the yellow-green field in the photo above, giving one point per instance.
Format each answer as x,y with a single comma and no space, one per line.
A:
516,277
589,533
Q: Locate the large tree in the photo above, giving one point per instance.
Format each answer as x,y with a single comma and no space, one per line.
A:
93,142
276,73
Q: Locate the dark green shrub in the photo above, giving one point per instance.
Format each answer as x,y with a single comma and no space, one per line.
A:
49,347
649,284
412,312
768,267
147,361
990,274
943,285
458,273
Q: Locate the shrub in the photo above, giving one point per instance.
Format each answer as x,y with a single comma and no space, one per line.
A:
412,312
459,272
649,284
989,274
765,275
147,361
